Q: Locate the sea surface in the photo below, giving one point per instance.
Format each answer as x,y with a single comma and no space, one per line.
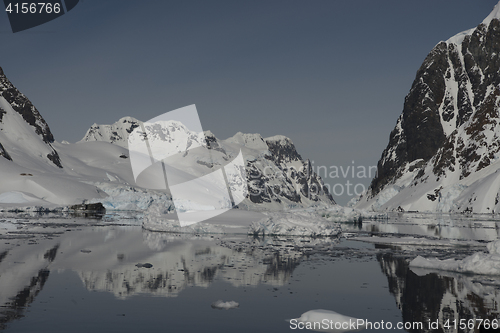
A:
77,274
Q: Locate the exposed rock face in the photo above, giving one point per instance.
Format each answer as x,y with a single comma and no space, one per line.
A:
292,178
449,128
22,105
282,149
4,153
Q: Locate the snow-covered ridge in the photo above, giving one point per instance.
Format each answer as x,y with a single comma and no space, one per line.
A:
459,38
116,133
495,14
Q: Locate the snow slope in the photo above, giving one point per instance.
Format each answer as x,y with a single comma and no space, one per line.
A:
29,171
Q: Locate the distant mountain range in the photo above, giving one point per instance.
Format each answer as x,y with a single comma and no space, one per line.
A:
37,171
277,176
443,154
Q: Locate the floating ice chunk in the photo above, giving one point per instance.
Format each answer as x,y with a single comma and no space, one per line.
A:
295,223
328,321
478,263
225,305
494,247
348,214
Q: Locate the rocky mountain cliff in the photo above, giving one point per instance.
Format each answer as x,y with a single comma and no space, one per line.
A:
16,105
446,140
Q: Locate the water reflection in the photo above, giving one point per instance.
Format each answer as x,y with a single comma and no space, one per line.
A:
441,226
127,261
22,276
178,261
427,296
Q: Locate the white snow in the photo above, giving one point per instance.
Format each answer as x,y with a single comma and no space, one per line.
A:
476,193
495,14
225,305
327,321
17,197
458,38
116,133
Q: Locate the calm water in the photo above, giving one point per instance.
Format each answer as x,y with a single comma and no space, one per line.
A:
71,277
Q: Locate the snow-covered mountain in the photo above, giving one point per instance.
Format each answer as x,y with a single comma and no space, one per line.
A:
32,170
37,171
277,176
443,154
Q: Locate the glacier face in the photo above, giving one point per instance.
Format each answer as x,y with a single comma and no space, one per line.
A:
445,143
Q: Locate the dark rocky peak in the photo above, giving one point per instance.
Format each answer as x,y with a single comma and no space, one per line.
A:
450,106
22,105
282,149
212,142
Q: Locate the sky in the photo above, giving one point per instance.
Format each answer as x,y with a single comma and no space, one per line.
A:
331,75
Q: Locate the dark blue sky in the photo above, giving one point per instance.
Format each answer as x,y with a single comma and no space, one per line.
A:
330,74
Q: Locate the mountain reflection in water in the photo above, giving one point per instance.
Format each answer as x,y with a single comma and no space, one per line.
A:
127,261
424,296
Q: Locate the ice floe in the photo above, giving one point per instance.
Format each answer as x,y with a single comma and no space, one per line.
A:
478,263
159,217
326,321
221,305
